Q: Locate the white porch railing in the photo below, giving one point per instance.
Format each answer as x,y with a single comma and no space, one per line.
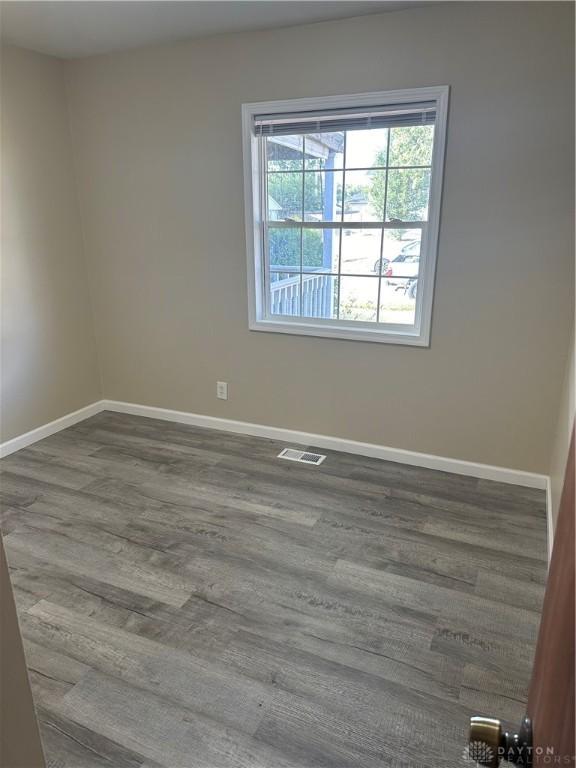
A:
317,295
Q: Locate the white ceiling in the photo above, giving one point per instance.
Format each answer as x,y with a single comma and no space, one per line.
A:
76,28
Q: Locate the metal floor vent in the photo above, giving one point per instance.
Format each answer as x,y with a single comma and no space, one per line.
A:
304,457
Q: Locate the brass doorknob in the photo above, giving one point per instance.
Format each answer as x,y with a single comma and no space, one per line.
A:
485,741
488,744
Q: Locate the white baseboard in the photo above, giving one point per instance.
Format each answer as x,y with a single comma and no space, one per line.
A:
456,466
22,441
413,458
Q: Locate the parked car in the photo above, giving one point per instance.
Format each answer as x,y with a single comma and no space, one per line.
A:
384,261
405,265
410,249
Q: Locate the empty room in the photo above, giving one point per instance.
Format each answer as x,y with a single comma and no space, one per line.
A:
287,384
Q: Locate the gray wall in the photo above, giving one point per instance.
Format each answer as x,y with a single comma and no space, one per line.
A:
48,360
158,148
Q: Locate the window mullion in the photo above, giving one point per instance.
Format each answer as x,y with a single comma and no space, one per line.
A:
300,292
395,224
383,229
342,223
265,298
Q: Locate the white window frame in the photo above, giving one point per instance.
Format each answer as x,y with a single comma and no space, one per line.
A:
416,335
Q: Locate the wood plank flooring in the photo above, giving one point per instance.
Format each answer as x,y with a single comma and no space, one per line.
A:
188,600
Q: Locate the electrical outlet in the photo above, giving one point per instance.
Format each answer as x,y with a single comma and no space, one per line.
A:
222,390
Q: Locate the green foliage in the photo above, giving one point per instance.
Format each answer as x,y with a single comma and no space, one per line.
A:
286,190
284,247
314,192
312,248
407,196
411,145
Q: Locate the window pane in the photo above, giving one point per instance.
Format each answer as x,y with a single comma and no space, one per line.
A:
398,245
364,195
399,285
358,298
284,294
360,251
324,150
405,265
408,192
398,301
285,196
322,195
320,248
319,296
284,248
411,145
365,149
284,153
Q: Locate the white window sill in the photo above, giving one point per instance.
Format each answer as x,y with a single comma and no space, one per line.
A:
397,335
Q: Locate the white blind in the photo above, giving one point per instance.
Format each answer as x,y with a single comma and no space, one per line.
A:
352,119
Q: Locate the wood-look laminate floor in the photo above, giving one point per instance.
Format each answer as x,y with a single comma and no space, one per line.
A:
188,600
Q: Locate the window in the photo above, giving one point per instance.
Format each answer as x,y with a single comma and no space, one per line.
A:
342,213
